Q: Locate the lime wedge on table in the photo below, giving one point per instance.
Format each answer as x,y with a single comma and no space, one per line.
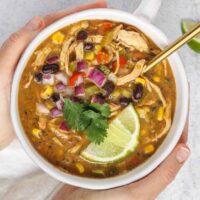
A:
187,25
122,139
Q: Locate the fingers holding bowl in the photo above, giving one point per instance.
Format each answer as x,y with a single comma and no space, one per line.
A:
52,17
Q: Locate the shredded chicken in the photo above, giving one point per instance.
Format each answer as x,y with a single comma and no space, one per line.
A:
59,134
42,122
29,81
147,103
57,141
116,31
168,121
132,40
117,64
64,55
133,75
41,56
148,85
109,51
159,93
75,149
79,51
94,38
114,107
77,27
114,113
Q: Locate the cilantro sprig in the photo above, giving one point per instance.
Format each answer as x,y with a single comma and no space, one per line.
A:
90,118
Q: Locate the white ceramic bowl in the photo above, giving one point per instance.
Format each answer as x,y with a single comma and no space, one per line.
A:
179,118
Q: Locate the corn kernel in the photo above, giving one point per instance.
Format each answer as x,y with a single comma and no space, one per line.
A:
126,93
147,109
89,56
156,79
36,132
160,114
47,92
49,105
140,80
58,37
143,132
97,48
80,168
149,149
115,94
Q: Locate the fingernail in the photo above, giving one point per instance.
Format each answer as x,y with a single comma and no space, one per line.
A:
182,154
34,24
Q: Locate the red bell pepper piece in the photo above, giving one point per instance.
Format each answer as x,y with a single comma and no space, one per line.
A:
74,78
102,57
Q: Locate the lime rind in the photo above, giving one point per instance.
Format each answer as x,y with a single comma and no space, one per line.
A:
187,25
120,142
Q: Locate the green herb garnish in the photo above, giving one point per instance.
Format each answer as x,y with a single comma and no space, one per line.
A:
90,118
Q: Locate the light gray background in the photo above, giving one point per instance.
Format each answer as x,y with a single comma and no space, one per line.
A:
14,13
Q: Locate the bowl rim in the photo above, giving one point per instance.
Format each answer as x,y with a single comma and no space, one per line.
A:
153,161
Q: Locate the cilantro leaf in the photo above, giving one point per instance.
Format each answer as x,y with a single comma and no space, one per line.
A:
102,108
92,119
96,133
72,112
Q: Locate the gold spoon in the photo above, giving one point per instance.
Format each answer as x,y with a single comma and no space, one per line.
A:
173,47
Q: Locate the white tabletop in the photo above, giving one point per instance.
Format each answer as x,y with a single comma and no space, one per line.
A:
14,13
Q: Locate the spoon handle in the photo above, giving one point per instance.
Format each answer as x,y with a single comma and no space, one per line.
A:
173,47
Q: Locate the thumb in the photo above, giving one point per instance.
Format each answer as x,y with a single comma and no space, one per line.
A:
12,49
158,180
10,53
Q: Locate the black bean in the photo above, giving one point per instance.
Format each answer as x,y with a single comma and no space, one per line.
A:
82,35
55,97
99,98
112,171
109,87
38,77
124,101
88,46
138,92
50,68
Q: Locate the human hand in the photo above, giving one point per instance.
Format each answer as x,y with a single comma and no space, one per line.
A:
147,188
10,53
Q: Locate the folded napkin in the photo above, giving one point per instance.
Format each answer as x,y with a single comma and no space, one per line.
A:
21,178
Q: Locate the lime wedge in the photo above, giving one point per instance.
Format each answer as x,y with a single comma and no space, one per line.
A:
187,25
122,139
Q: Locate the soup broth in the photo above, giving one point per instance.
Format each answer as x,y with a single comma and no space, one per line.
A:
95,62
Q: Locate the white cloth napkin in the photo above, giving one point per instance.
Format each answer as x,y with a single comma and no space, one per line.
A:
21,179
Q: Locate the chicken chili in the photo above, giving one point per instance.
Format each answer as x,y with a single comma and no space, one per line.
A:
85,103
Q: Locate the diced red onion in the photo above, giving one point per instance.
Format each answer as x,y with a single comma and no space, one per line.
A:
97,77
48,79
69,91
42,109
82,66
79,91
64,126
98,98
52,60
61,77
60,104
60,87
55,112
79,80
